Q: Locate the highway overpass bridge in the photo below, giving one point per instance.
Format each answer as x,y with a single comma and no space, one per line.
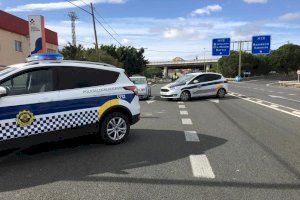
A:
179,63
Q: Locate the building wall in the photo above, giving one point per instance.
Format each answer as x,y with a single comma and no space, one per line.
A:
8,53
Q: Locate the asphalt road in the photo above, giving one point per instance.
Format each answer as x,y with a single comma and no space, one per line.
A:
234,148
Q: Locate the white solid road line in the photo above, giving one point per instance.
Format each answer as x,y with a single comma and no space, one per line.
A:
261,102
151,101
184,112
191,136
186,121
181,106
201,167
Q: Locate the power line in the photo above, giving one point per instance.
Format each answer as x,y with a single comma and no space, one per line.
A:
78,7
108,32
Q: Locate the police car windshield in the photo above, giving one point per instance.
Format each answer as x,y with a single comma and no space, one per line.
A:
138,81
6,70
185,78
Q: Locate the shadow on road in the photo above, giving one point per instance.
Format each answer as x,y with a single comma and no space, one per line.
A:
79,158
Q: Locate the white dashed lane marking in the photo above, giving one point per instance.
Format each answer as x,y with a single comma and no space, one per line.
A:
181,106
201,167
180,102
191,136
184,112
186,121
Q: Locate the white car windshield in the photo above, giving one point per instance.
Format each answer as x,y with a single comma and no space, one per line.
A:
6,70
185,78
138,81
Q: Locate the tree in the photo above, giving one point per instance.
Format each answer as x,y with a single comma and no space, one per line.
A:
133,59
71,52
152,72
286,58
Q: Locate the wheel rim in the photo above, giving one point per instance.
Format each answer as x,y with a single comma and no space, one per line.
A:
116,128
184,96
221,93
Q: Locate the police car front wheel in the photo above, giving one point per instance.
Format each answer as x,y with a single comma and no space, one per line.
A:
185,96
115,128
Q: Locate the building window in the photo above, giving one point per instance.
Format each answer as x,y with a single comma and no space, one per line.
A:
18,46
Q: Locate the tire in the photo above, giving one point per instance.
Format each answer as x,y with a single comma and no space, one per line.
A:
185,96
111,132
221,93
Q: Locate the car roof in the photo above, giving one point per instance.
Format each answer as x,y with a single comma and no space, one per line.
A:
68,63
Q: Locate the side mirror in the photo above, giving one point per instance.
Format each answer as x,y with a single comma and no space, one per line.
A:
195,81
3,91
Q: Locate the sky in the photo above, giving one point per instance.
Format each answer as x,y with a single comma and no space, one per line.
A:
168,28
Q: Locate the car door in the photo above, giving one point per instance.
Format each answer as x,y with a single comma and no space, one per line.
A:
197,86
24,110
212,83
82,92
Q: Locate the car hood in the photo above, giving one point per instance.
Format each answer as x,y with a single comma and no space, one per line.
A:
174,84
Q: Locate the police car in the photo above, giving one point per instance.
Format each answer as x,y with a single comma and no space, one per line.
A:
196,85
49,94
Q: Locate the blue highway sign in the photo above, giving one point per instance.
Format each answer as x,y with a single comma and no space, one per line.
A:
261,44
221,47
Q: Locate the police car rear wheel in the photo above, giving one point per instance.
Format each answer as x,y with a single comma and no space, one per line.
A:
185,96
115,128
221,93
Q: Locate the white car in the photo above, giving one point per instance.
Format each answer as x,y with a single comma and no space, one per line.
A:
46,96
196,85
144,90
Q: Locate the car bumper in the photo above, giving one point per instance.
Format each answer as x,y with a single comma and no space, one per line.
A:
135,119
169,95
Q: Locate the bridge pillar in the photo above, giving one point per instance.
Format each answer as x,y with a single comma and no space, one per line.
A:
165,72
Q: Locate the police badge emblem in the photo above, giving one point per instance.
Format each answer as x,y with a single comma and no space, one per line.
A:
25,118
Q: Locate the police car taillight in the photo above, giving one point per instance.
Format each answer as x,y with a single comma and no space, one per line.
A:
45,56
132,88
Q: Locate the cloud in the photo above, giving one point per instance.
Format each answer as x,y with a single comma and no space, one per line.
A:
246,31
206,10
189,33
125,41
290,16
58,5
255,1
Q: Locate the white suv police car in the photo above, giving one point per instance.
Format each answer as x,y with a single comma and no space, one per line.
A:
196,85
52,95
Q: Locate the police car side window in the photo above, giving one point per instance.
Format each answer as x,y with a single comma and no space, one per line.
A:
30,82
201,78
212,77
80,77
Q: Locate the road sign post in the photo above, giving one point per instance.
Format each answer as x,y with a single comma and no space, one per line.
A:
221,47
298,73
261,44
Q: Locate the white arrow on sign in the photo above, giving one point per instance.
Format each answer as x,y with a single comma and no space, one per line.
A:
279,97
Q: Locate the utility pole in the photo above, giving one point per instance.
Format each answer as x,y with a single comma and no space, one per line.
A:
240,44
240,59
94,24
73,18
